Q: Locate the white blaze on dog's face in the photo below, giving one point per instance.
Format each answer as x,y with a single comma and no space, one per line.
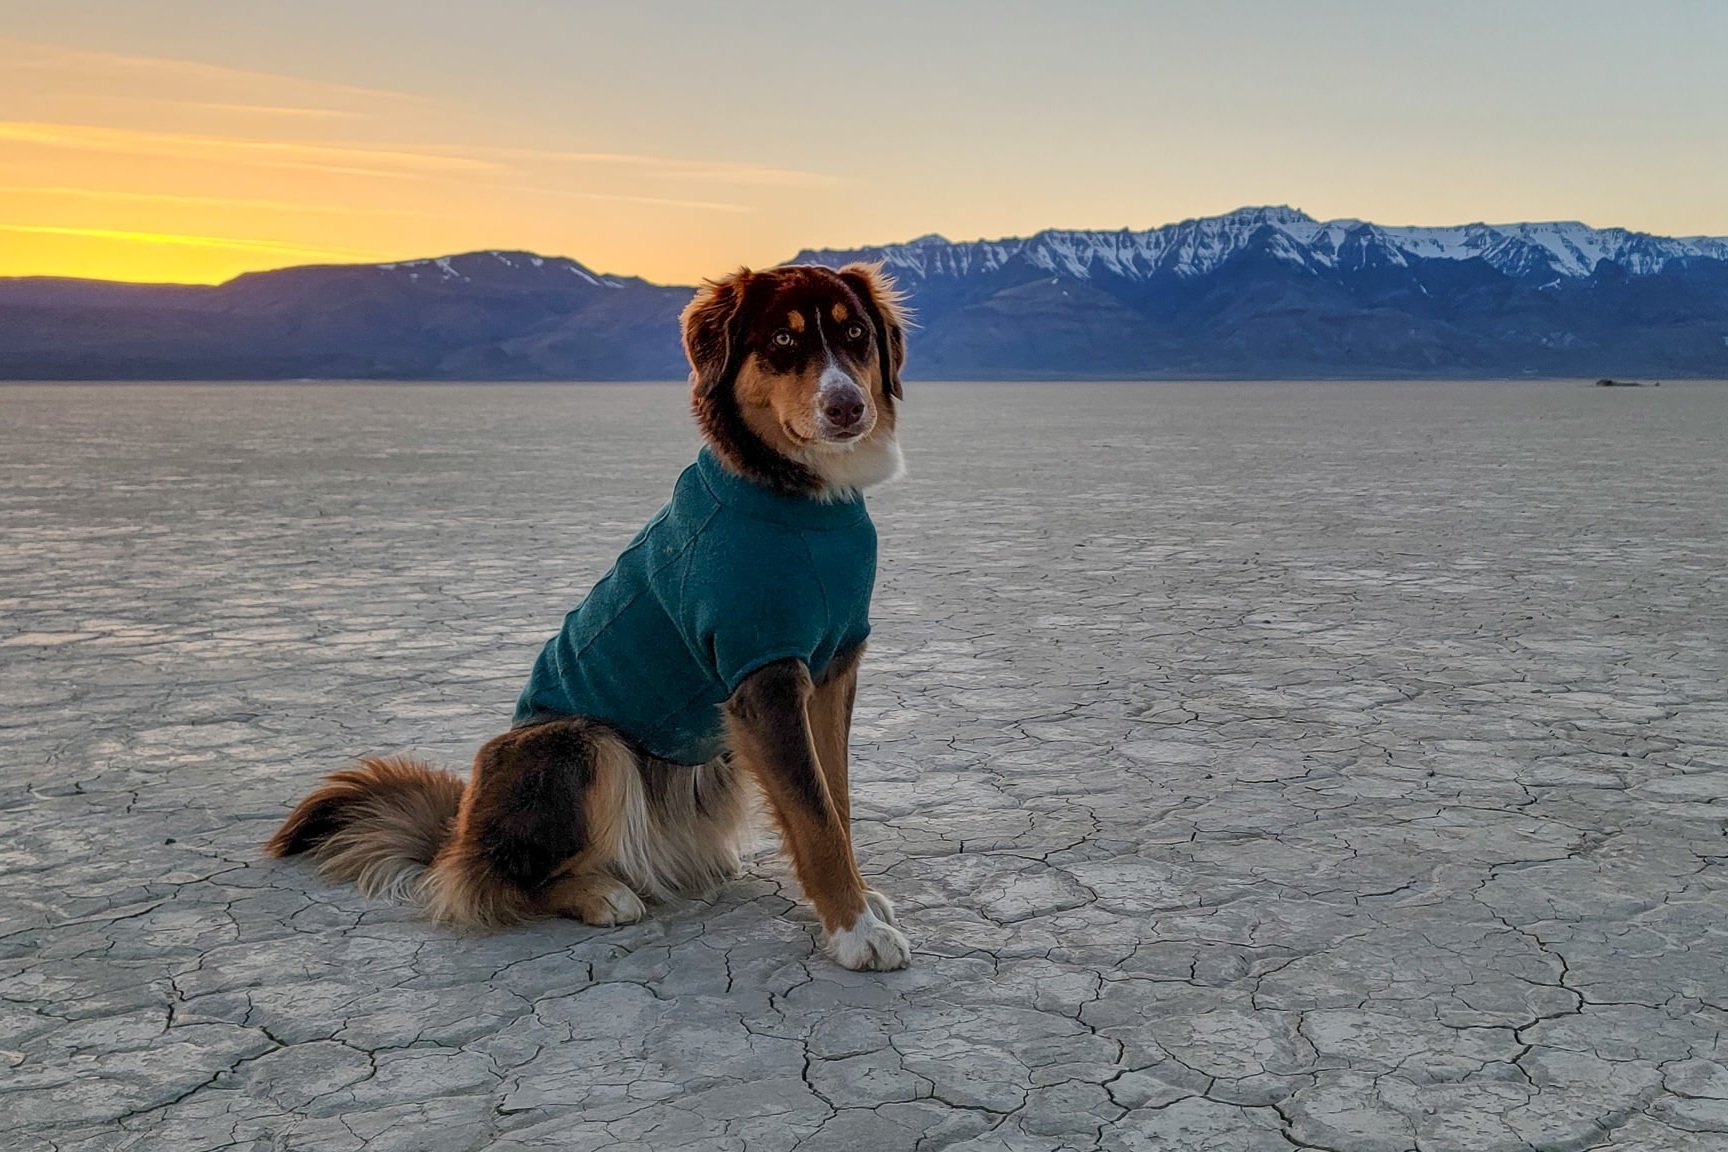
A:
813,368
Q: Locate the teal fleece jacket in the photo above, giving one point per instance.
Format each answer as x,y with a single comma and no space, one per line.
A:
729,576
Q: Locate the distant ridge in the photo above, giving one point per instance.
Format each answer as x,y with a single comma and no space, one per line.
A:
1196,247
1263,291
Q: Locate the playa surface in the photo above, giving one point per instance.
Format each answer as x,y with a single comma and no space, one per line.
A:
1256,767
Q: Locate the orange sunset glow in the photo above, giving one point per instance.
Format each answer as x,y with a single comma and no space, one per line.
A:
263,171
187,141
201,172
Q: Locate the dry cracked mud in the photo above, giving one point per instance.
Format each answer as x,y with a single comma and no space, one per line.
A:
1257,767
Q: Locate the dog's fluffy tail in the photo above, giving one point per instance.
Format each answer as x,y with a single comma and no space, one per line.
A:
376,826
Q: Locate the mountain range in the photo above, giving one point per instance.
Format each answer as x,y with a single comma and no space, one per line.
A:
1259,292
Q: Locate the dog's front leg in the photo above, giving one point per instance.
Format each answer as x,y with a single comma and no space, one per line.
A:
768,719
831,728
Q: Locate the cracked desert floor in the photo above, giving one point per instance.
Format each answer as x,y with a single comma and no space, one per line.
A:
1256,767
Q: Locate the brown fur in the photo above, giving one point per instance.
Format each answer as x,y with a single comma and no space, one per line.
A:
886,306
556,817
769,726
830,712
751,398
373,826
566,816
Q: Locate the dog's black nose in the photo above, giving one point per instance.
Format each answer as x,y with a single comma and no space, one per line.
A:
844,409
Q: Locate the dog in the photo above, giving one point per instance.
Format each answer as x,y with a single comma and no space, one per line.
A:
723,647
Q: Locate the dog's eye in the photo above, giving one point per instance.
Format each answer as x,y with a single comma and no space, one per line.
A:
854,331
784,339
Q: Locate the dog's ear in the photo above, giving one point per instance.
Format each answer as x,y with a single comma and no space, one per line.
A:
887,305
714,331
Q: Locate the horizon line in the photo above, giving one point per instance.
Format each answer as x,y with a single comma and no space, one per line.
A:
257,245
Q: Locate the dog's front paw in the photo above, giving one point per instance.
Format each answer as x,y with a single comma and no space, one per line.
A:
872,943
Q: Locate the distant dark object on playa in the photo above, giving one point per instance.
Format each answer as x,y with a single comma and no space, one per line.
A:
1607,383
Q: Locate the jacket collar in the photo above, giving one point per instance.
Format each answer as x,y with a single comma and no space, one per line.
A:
760,502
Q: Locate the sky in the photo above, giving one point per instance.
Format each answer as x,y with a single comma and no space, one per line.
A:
189,140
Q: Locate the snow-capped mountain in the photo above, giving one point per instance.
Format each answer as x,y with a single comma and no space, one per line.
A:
494,265
1197,247
1262,292
1273,291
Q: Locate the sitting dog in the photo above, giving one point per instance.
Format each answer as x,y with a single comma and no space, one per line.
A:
724,643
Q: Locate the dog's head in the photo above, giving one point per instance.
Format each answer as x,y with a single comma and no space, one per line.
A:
795,372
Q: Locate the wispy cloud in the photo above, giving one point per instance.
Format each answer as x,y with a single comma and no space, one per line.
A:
19,55
406,161
272,153
235,244
564,193
718,171
170,199
664,201
270,110
272,102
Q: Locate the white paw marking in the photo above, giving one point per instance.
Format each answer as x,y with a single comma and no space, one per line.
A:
871,944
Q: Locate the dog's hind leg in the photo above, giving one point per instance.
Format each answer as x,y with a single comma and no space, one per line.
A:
593,897
538,830
696,828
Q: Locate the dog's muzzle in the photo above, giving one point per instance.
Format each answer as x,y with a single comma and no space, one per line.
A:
841,407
